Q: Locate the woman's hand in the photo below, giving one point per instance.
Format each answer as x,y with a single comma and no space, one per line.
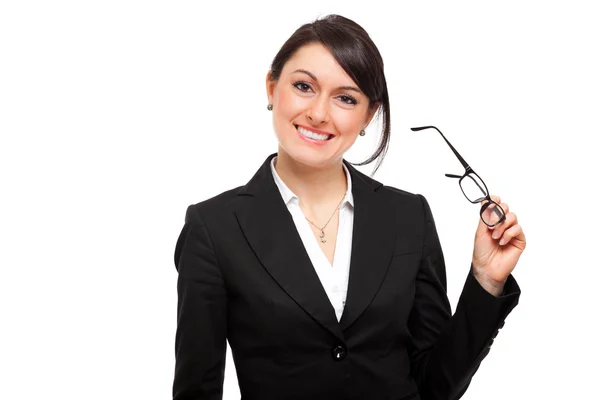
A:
497,250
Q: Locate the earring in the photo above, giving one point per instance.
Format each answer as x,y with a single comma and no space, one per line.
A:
362,132
270,107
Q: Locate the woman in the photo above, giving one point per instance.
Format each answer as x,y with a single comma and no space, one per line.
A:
327,284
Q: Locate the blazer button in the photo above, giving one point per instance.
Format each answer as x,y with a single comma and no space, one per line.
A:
339,353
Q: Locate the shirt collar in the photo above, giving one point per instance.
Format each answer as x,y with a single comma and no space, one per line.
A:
288,195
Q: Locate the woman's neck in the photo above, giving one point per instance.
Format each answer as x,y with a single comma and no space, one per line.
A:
314,187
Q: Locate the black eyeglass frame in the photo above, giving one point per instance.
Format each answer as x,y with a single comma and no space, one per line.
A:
468,171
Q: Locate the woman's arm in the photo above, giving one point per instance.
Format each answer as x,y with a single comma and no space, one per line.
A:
446,350
200,341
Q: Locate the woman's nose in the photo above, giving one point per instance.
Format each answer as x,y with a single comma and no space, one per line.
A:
318,111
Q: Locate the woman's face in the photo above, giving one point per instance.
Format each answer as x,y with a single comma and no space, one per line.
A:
315,94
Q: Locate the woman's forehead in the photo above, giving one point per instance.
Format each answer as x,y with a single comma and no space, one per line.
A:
316,61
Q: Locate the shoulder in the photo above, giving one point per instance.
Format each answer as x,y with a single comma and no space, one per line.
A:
393,194
380,189
213,206
406,205
406,202
398,194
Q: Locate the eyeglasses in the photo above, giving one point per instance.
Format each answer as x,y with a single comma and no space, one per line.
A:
474,188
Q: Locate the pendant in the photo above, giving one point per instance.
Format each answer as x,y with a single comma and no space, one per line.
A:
322,235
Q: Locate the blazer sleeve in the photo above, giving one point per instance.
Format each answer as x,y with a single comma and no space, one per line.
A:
200,340
446,350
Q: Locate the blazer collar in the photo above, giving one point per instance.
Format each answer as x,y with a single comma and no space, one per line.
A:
270,230
287,194
261,182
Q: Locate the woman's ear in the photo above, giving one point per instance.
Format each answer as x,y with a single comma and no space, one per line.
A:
371,112
270,85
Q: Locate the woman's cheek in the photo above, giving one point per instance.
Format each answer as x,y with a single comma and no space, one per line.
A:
346,123
289,103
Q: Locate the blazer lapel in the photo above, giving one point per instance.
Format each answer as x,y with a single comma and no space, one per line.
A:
373,239
272,234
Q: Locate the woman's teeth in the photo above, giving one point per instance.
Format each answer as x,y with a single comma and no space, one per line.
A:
312,135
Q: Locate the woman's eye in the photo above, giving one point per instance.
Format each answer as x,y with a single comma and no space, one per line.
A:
302,86
305,87
348,99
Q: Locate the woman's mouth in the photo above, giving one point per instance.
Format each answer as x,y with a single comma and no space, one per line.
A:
306,134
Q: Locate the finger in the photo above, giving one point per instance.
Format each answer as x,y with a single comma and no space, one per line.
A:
493,197
504,207
505,210
511,219
514,234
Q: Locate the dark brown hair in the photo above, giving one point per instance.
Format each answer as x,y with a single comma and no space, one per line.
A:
356,53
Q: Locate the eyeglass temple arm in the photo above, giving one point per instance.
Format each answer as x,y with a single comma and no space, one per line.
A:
462,160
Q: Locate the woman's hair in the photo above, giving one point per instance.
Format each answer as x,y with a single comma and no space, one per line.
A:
356,53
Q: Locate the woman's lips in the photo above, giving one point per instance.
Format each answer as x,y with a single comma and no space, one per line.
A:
317,131
313,141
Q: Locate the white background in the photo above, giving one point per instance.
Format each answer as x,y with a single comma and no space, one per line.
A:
116,115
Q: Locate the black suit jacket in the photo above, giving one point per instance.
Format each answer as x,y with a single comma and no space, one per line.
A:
244,275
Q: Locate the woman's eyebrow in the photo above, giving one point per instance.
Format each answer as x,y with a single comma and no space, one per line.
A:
354,88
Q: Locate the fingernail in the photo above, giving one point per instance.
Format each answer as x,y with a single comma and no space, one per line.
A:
496,234
502,242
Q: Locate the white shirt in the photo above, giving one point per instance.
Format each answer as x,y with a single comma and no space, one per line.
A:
333,278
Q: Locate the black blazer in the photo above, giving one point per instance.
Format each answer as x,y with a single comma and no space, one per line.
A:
244,275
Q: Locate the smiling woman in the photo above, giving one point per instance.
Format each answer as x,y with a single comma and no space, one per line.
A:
327,283
327,78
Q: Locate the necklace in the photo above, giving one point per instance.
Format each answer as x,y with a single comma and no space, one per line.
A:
322,235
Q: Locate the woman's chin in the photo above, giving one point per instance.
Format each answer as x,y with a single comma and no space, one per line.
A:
309,157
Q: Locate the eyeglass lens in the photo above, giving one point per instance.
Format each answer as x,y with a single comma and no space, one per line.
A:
473,188
475,191
492,214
